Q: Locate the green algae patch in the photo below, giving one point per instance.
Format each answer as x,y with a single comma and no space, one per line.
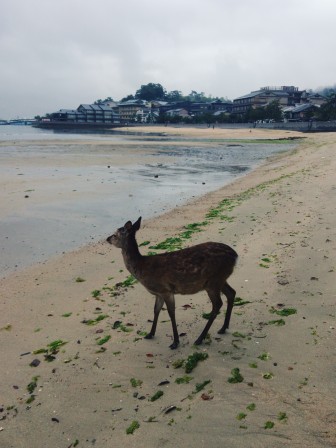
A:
283,312
132,427
193,360
103,340
157,395
201,386
184,379
236,377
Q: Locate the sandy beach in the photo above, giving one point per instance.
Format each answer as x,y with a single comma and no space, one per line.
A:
76,370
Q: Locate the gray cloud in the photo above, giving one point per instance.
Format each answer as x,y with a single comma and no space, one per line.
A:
61,54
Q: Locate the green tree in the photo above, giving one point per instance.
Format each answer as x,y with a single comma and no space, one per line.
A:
127,98
103,101
196,97
273,111
327,91
174,95
150,92
328,110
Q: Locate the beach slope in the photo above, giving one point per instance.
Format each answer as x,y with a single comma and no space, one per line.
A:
76,370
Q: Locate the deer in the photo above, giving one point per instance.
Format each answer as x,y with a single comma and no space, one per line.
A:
202,267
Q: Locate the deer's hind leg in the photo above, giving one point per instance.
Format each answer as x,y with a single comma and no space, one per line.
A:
217,303
230,296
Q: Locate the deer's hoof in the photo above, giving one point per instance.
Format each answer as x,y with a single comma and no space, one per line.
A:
148,336
198,341
222,330
174,345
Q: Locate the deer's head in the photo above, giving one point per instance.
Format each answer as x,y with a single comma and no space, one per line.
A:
122,235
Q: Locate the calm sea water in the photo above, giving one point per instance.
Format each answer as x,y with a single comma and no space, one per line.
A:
91,201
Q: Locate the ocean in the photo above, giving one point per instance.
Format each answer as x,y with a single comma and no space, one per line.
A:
60,191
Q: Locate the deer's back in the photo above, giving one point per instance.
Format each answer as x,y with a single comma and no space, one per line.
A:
189,270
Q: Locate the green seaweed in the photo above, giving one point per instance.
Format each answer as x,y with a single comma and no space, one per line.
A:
157,395
251,407
282,417
241,416
283,312
135,383
195,226
193,360
269,425
54,346
178,363
142,333
96,293
264,356
236,334
277,322
95,321
236,377
145,243
184,379
125,329
238,301
79,280
103,340
120,326
130,281
170,244
33,384
263,265
132,427
30,399
40,350
253,365
201,386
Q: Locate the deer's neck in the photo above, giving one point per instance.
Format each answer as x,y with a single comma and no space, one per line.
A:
132,256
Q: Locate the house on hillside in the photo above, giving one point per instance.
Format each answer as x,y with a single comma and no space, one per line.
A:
287,96
86,113
128,109
220,106
313,98
300,112
146,115
179,112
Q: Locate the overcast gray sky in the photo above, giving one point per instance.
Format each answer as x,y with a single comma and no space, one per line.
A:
61,53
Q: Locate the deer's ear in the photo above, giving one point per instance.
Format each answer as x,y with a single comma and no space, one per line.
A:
136,225
128,225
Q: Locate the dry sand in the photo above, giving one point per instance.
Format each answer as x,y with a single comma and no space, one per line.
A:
281,220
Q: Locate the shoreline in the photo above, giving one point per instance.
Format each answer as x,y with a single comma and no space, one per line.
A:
278,219
61,196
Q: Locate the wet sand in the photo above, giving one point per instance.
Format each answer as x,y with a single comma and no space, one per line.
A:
281,220
60,194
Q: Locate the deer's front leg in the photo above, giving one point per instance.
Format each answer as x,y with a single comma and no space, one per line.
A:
170,303
159,301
